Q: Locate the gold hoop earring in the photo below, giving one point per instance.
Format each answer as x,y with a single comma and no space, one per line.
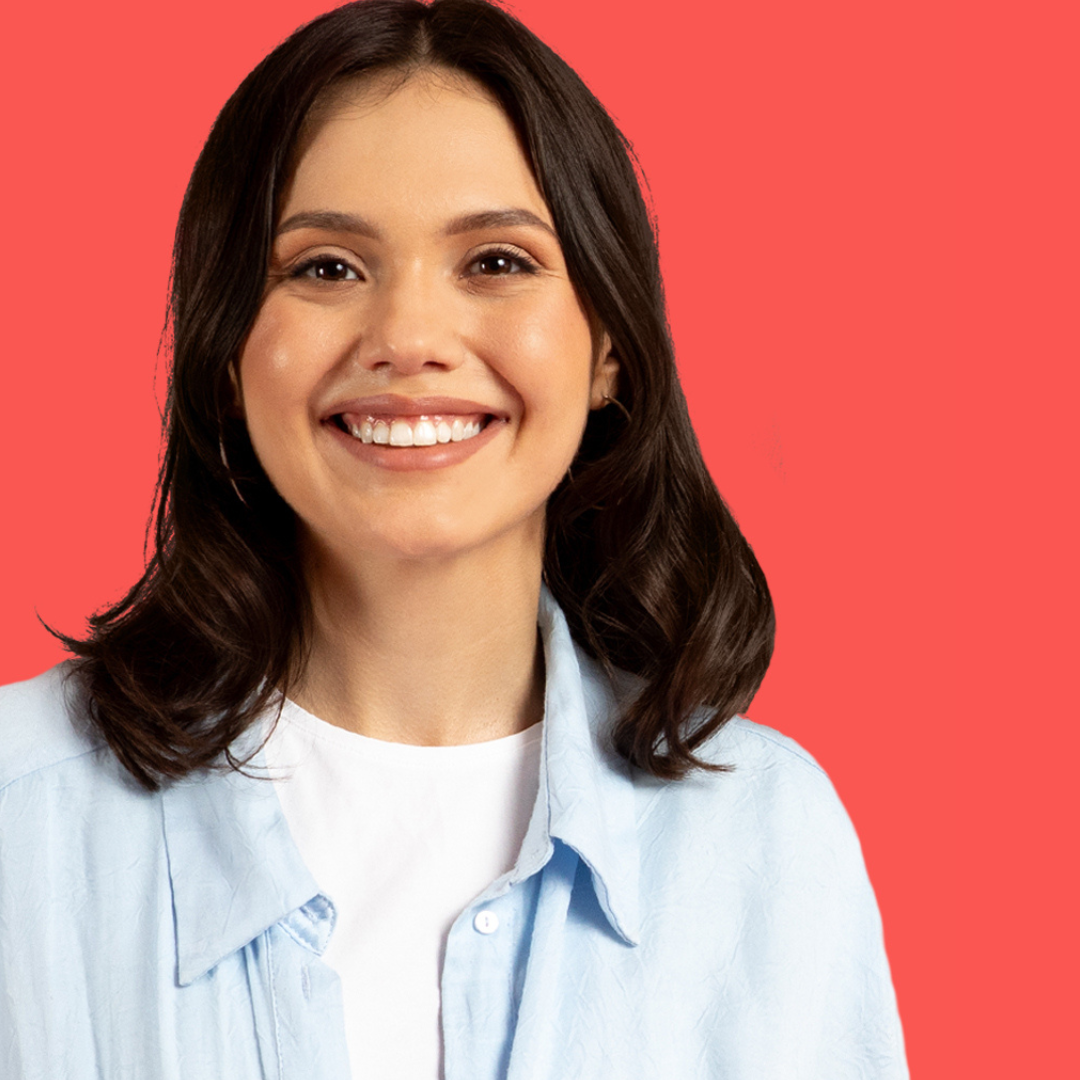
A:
228,470
618,404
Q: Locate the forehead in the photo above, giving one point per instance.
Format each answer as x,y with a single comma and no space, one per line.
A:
433,140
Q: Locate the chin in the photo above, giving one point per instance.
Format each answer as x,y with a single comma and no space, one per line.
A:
418,545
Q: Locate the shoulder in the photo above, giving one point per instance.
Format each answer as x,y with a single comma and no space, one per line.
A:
768,779
755,760
43,723
758,747
767,767
773,805
770,843
71,819
753,880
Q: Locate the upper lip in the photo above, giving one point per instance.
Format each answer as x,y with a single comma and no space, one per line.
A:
398,405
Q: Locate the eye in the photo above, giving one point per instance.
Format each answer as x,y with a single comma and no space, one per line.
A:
326,268
502,263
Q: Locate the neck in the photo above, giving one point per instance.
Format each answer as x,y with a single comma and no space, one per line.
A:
429,652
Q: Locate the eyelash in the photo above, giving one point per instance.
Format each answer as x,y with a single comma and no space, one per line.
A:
301,270
526,264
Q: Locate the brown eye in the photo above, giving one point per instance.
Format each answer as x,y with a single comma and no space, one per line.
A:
327,270
502,264
497,264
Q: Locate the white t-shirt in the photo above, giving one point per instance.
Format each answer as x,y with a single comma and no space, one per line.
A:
401,838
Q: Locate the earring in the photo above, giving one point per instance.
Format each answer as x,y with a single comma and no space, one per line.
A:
228,470
609,400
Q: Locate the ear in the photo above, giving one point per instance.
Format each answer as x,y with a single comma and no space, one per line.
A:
605,382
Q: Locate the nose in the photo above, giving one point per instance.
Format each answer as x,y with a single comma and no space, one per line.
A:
408,325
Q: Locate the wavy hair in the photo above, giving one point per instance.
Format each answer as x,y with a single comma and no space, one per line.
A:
641,552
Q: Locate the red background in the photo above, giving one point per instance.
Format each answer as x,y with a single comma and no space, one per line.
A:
868,223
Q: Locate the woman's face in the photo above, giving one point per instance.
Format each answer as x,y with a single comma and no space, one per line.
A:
418,294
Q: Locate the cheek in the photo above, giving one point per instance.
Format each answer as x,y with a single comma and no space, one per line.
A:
278,363
545,356
275,386
265,362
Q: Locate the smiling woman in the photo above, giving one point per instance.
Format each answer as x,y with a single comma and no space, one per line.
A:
416,745
419,311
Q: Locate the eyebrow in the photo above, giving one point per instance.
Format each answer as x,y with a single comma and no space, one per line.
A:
493,219
335,221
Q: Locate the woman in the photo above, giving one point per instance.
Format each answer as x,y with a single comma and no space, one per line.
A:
437,553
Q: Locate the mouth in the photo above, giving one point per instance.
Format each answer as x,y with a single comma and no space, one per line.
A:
423,429
390,431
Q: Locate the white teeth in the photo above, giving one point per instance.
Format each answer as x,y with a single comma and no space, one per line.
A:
401,433
425,432
362,431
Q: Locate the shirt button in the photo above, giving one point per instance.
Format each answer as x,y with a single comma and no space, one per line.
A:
486,922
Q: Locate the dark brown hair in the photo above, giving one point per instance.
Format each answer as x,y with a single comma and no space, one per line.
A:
642,554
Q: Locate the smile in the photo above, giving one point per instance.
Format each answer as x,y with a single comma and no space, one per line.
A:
402,431
408,434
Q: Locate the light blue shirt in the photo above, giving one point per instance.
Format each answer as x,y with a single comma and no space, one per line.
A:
721,927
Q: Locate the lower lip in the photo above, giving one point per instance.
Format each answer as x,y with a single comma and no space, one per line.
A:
412,458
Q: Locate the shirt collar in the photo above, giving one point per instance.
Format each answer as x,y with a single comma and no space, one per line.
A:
586,797
236,871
